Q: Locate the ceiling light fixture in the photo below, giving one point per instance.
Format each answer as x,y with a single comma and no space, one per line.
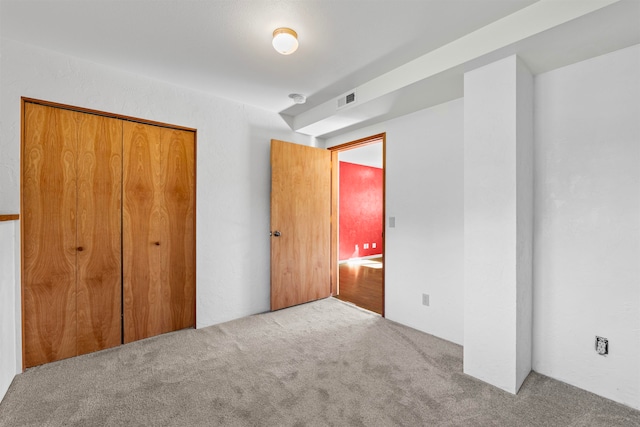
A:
285,40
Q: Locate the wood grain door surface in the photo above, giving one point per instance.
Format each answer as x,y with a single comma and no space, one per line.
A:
158,230
99,288
49,230
301,214
71,233
81,236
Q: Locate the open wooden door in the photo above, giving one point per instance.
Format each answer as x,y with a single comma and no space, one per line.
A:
300,224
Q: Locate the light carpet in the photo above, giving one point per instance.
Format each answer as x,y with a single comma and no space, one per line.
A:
319,364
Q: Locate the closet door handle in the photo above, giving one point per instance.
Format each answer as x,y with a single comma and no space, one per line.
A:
80,248
157,243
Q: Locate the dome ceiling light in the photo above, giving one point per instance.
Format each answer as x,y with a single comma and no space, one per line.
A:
285,40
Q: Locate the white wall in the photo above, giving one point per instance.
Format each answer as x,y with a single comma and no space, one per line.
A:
424,252
587,224
8,344
233,172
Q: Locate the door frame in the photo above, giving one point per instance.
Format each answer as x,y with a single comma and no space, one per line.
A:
335,150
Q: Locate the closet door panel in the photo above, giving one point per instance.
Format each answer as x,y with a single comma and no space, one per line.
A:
49,234
144,219
179,252
99,233
158,230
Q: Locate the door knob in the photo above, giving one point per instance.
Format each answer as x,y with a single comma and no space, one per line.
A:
276,233
80,249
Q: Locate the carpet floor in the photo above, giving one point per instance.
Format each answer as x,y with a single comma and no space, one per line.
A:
319,364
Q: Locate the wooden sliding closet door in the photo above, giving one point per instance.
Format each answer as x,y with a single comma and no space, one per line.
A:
158,230
71,187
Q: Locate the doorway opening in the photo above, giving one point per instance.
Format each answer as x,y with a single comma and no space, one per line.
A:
358,203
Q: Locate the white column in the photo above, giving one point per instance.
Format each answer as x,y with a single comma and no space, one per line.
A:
498,222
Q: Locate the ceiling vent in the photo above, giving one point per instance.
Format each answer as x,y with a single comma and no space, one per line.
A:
346,99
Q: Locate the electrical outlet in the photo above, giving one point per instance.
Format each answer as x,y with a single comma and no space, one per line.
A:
425,299
373,246
602,346
366,246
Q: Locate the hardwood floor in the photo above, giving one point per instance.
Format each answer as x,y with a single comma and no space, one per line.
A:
361,284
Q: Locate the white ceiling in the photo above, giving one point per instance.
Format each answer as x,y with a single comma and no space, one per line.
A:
223,47
368,155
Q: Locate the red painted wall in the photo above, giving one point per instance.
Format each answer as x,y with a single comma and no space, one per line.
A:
360,210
